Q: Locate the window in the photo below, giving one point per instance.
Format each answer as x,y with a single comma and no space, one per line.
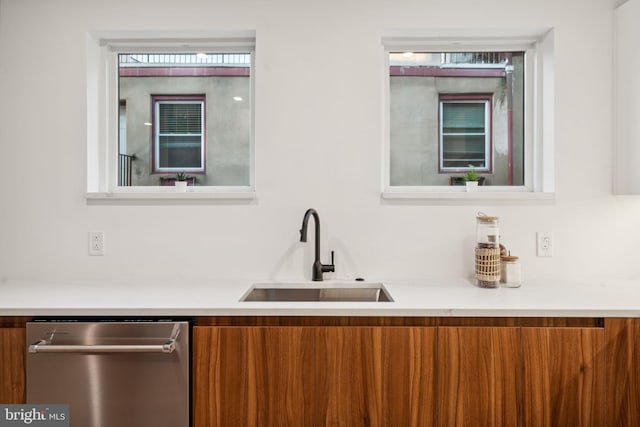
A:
171,136
465,133
178,134
451,111
162,104
462,99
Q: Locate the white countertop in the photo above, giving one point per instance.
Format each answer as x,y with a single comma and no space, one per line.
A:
420,297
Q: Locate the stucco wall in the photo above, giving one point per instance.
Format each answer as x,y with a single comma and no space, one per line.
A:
227,126
414,127
414,133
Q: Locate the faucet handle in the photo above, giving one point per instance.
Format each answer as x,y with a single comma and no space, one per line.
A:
326,268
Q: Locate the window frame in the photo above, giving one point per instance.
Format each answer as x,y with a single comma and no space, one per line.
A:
538,45
103,48
487,101
156,100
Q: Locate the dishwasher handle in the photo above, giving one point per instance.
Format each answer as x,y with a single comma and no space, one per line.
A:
45,346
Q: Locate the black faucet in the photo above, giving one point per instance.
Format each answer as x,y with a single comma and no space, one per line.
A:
318,267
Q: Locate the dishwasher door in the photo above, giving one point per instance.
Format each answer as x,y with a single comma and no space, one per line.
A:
112,373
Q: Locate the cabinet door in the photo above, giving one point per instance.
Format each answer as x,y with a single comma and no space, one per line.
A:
375,376
408,377
478,376
563,377
253,376
623,372
12,370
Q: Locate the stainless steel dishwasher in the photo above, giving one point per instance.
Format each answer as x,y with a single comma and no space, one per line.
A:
112,373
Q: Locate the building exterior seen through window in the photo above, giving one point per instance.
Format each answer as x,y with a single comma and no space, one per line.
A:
184,114
451,112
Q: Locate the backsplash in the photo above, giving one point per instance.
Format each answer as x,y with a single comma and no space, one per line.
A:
318,144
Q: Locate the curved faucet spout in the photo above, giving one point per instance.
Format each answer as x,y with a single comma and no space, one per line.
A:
318,267
305,222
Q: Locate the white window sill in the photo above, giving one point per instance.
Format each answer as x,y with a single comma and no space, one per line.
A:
169,194
460,196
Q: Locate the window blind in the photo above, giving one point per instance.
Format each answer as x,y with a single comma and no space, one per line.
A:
463,117
180,118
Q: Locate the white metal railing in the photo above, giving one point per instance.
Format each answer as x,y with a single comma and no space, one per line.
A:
450,59
472,58
185,59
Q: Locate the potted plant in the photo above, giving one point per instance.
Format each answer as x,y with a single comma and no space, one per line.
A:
471,179
181,182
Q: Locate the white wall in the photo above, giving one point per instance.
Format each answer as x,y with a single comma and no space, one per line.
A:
627,98
311,150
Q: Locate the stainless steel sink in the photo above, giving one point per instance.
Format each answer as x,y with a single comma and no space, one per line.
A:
314,291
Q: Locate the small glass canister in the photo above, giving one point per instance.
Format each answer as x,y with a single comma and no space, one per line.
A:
487,231
487,251
511,271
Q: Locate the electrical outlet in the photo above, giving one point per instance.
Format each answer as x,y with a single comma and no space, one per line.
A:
544,244
96,243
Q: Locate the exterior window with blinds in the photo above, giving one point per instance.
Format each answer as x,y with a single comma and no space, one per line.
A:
178,134
465,133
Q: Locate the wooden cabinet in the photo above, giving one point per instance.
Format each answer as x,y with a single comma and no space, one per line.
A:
510,374
253,376
12,359
478,376
313,376
408,372
527,376
622,372
563,377
375,376
349,377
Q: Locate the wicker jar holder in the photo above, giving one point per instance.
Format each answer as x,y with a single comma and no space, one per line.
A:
488,264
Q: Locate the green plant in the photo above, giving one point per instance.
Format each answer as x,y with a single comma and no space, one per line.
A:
471,175
181,176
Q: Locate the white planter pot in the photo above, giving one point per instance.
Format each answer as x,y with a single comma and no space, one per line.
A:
472,185
181,186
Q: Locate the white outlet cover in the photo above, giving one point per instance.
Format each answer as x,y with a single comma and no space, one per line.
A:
96,243
544,244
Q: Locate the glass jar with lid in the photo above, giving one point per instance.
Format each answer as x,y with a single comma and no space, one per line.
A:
487,253
487,231
510,272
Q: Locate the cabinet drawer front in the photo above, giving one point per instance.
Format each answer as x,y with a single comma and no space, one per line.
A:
478,376
253,376
563,382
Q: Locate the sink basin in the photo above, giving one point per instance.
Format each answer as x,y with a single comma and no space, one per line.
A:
314,291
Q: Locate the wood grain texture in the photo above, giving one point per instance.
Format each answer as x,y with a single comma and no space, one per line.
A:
375,377
563,380
622,372
397,321
253,377
349,377
576,322
14,321
478,376
314,321
408,377
12,369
